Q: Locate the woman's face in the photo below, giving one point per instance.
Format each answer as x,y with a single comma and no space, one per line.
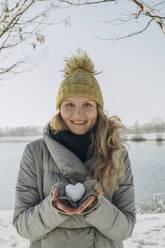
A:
79,114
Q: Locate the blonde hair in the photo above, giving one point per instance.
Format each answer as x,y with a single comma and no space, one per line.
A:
106,146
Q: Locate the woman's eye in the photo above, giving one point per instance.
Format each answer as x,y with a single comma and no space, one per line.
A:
69,105
87,104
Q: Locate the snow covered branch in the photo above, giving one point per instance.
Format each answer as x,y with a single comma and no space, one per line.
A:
79,3
22,31
152,13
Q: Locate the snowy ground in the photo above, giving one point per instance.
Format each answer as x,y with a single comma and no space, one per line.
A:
149,232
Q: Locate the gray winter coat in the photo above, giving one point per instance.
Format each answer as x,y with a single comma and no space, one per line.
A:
46,162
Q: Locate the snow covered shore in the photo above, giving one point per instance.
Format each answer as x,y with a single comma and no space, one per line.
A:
147,136
149,232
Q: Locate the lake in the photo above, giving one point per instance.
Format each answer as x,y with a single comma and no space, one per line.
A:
147,159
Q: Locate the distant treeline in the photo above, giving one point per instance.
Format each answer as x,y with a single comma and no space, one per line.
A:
156,125
21,131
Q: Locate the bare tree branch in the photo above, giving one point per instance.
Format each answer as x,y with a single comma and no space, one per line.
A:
17,16
157,4
118,21
9,69
85,2
23,24
144,9
150,12
128,35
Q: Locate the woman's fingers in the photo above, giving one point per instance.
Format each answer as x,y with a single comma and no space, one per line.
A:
85,204
98,189
68,209
55,192
61,206
64,207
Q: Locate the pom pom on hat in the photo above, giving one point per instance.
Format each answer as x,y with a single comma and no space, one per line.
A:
79,80
80,61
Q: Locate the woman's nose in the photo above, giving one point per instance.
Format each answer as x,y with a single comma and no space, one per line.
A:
78,111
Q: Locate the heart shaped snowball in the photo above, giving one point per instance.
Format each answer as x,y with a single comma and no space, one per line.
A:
75,192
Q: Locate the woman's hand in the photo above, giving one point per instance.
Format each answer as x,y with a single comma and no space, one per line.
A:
85,204
65,207
60,203
92,201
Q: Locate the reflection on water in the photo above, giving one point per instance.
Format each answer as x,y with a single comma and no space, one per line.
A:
159,142
147,160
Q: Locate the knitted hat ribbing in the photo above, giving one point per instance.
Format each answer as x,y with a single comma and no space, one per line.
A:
79,80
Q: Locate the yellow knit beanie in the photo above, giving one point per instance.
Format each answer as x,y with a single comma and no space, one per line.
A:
79,80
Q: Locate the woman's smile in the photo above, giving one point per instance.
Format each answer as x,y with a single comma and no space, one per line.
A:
79,123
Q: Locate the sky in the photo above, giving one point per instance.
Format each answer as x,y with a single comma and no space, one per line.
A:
132,80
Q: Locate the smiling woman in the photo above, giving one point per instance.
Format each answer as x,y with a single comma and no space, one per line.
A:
79,114
81,147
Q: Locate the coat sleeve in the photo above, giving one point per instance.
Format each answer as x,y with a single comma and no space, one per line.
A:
116,219
32,217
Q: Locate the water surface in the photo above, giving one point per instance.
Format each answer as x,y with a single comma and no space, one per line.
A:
147,160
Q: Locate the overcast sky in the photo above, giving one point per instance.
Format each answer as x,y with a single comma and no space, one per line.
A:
132,82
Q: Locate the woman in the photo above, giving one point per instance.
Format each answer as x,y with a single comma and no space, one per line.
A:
81,153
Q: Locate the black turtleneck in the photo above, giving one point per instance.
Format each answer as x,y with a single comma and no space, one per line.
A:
79,144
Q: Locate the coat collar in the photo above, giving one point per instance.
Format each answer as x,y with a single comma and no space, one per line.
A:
68,163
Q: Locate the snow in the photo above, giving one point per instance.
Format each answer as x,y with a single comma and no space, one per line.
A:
149,232
75,192
19,138
8,236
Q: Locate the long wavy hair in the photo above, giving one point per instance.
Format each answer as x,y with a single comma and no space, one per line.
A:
106,145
